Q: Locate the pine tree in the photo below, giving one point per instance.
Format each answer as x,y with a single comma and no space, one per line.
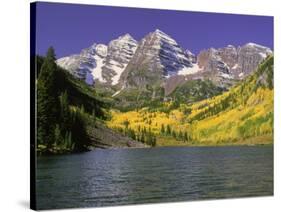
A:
126,124
94,116
78,129
142,139
180,135
185,136
162,129
64,112
132,134
168,130
174,134
47,102
153,141
144,130
149,138
57,136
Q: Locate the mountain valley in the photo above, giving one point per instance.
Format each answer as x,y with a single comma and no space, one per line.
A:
153,92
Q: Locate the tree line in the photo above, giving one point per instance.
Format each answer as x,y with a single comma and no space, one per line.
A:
143,135
179,135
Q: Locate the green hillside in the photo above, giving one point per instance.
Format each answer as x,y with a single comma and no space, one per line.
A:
195,90
65,107
154,96
70,116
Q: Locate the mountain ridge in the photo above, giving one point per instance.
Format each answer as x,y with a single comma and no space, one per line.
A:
158,59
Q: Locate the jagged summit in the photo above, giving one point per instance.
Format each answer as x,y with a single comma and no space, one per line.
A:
121,50
258,48
126,36
157,57
102,63
254,45
126,62
160,32
232,62
230,46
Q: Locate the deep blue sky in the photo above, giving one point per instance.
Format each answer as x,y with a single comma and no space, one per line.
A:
72,27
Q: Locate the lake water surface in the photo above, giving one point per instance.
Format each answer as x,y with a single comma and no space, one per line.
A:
133,176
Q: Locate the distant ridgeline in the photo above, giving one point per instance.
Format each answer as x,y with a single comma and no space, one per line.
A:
241,115
132,74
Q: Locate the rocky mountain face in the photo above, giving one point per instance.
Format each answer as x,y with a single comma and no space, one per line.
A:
157,57
100,62
249,56
86,65
231,62
120,52
158,60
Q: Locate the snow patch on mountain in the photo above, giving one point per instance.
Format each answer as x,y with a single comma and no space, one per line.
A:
190,70
101,50
226,76
120,52
263,49
235,66
118,72
263,55
117,92
97,70
103,63
255,45
87,64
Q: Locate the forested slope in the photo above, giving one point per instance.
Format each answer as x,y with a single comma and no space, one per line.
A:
242,115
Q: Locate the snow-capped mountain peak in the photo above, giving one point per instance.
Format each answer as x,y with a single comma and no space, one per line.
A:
165,51
120,51
232,62
263,49
100,62
82,65
250,44
161,36
126,36
157,57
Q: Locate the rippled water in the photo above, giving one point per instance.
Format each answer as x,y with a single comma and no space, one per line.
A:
131,176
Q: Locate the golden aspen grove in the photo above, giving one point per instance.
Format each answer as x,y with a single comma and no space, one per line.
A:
243,115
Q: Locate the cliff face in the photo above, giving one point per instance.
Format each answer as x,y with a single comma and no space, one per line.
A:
232,62
157,57
101,63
